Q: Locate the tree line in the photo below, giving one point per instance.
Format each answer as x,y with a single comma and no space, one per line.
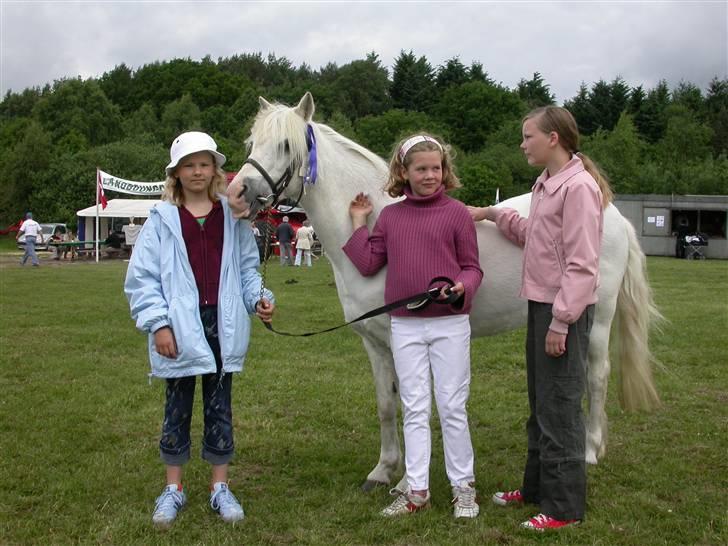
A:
656,140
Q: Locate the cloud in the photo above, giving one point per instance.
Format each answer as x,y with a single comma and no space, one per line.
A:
566,42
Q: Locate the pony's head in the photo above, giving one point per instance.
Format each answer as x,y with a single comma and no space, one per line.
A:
278,154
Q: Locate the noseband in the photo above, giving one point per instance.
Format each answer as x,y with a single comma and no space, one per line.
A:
277,188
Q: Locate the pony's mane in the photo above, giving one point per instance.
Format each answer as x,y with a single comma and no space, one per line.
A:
281,123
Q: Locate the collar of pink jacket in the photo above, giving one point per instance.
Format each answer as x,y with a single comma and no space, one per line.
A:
553,183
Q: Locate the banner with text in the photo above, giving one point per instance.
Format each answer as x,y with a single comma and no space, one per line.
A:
110,182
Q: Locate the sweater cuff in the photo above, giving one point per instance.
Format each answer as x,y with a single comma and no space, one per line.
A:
559,326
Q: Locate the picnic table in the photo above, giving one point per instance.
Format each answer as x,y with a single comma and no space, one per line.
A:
83,248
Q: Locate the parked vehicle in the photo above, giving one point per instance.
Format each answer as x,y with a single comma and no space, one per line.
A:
48,230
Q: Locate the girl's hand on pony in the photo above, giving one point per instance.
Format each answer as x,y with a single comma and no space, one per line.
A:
238,205
359,209
481,213
164,342
264,310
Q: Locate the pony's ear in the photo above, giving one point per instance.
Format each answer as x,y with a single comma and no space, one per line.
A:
264,104
306,107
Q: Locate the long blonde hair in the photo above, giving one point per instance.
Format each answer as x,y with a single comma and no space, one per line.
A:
173,187
560,121
396,182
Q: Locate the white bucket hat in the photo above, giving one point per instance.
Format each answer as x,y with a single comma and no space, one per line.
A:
190,143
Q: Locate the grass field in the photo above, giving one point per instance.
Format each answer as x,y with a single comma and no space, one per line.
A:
79,425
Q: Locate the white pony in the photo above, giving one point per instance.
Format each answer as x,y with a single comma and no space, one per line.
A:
278,143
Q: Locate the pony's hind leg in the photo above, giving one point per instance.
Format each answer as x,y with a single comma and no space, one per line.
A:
597,379
385,382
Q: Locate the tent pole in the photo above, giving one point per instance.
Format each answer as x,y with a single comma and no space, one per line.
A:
96,238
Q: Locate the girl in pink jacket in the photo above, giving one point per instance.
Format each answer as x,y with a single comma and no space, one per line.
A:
561,241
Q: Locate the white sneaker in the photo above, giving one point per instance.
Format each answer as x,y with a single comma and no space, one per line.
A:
224,503
168,504
407,503
464,501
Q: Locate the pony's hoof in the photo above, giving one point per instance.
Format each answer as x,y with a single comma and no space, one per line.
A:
370,485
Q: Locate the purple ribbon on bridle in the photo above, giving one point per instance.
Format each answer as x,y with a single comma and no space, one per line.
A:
311,170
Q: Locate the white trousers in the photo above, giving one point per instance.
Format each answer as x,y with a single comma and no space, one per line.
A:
425,349
307,255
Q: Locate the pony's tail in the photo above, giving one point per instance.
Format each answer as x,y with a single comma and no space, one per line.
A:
636,312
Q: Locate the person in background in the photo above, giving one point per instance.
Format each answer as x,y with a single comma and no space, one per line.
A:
131,232
285,234
33,234
112,244
304,241
69,237
57,237
682,229
258,241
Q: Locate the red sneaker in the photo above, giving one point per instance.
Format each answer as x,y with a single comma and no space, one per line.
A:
508,498
542,522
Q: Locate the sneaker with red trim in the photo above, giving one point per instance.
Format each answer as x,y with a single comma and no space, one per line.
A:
407,503
542,522
508,498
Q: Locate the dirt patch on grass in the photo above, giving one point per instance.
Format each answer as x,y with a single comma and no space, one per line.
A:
12,259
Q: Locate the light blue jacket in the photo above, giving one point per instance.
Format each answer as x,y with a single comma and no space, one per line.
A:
161,290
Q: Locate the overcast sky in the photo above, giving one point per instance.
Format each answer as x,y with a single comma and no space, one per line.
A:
567,42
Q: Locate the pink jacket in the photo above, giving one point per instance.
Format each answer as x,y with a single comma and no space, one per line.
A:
561,240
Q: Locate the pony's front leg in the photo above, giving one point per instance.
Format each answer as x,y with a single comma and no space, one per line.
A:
597,379
385,382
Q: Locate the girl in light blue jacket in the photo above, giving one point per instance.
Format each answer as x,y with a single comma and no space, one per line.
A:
192,283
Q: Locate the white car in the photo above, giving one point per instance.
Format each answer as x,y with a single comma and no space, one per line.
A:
48,230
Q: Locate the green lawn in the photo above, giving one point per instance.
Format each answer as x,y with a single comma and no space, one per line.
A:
79,426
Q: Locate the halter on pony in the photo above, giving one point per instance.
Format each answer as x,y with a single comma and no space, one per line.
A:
277,188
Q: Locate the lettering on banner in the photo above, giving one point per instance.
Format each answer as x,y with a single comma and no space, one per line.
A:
120,185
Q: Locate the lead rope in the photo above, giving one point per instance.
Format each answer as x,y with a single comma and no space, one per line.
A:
265,258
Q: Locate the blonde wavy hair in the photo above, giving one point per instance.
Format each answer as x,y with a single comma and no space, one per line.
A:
173,187
397,166
555,119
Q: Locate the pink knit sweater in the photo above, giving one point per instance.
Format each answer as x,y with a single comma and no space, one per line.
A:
418,239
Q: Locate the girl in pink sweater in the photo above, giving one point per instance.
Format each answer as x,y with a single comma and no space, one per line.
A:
561,240
426,235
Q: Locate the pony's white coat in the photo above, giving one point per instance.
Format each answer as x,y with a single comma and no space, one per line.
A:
345,168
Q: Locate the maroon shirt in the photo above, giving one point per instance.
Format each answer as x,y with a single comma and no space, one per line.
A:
204,250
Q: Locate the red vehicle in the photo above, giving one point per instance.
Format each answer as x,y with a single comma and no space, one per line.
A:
269,220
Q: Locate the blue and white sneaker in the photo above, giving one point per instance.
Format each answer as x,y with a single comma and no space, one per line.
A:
224,503
168,504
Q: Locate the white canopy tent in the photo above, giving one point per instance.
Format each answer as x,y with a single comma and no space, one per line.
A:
115,208
121,208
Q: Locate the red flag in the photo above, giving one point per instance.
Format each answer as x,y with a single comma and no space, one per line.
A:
100,197
14,227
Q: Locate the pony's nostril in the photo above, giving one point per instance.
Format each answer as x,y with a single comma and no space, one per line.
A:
242,192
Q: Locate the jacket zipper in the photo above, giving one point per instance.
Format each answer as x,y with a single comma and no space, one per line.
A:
204,261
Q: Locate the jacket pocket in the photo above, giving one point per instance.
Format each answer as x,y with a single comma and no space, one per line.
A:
235,330
184,319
